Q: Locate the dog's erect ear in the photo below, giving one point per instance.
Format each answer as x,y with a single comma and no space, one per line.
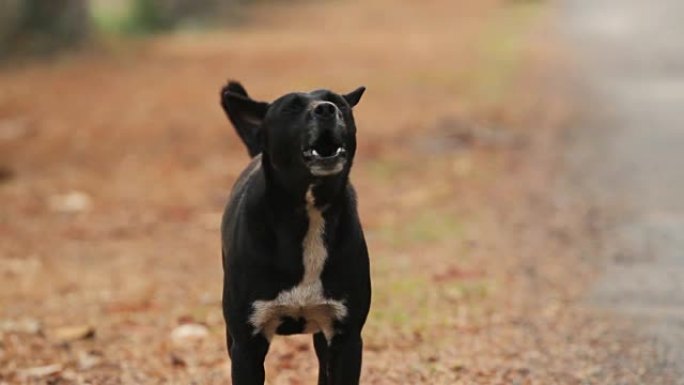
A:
236,88
353,97
246,115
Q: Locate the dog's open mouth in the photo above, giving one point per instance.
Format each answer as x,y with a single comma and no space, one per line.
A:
315,154
325,158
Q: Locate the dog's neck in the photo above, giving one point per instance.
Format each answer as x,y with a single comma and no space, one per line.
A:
291,191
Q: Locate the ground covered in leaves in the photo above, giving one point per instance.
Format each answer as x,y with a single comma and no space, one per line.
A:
116,164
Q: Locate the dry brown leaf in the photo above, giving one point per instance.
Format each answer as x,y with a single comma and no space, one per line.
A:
73,333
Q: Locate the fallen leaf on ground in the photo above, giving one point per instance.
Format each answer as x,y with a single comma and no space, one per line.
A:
455,273
73,333
27,325
41,371
72,202
87,360
189,332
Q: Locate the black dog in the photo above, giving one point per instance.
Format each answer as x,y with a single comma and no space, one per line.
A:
294,255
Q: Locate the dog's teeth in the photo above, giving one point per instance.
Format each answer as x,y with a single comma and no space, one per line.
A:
339,150
314,153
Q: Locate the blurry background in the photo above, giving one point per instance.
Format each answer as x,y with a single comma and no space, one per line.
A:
116,161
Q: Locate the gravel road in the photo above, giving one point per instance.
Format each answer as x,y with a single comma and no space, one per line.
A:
630,152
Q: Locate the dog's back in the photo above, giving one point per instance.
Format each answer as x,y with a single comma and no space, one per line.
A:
237,195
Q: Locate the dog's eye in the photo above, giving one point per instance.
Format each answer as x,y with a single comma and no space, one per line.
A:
344,107
340,103
295,105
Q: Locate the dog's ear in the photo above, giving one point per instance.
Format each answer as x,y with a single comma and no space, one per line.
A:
246,115
353,97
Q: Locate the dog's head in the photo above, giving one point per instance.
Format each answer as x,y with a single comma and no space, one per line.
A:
299,133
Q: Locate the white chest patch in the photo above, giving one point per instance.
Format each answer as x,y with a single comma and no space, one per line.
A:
304,301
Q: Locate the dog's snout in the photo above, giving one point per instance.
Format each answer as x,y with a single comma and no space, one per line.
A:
325,110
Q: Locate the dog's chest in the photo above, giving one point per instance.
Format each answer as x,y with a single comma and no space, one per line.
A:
303,308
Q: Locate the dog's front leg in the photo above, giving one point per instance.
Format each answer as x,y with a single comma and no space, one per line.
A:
321,346
344,359
247,360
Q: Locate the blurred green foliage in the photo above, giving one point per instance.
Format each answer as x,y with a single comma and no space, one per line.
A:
148,16
139,17
45,26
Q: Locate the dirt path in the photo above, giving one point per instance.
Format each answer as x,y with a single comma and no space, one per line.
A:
632,58
117,166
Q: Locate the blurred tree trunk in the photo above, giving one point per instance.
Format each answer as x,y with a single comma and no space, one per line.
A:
10,18
42,26
65,21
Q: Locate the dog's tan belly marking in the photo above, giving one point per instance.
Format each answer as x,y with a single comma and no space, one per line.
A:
318,312
305,300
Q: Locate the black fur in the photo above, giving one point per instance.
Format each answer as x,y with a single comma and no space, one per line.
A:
245,116
300,140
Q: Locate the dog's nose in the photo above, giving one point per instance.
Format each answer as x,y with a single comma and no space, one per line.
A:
325,110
